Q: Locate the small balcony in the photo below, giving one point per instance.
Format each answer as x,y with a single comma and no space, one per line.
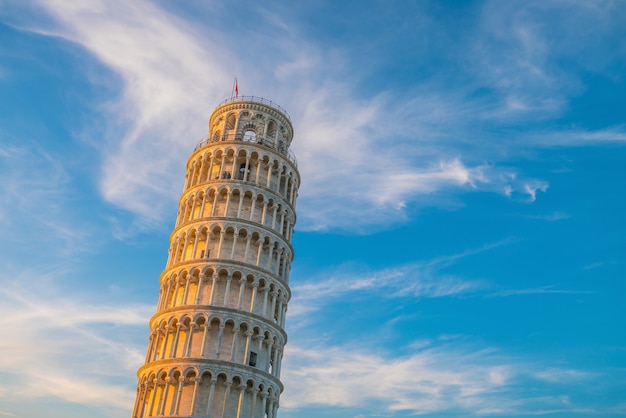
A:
248,138
255,99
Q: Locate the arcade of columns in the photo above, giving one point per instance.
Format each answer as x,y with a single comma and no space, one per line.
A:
217,337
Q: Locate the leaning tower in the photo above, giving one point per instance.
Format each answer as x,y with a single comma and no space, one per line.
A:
217,337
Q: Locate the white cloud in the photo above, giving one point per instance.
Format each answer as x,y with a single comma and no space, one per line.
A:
416,280
537,291
433,378
531,189
36,201
364,160
170,79
551,217
579,137
534,55
422,279
366,157
64,347
556,375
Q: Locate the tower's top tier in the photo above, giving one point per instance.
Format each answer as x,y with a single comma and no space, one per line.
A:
251,119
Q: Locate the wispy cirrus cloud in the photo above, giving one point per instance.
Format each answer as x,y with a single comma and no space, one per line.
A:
414,280
380,152
168,79
579,137
37,186
437,376
423,279
551,289
64,346
551,217
525,52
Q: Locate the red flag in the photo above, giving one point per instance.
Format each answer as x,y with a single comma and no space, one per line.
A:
236,88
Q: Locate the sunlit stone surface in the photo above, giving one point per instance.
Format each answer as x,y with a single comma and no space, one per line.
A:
217,338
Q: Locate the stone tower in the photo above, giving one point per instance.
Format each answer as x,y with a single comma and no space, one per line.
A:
217,337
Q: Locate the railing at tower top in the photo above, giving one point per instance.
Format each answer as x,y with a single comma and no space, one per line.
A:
268,142
255,99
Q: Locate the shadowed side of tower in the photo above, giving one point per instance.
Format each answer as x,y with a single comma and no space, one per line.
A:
217,337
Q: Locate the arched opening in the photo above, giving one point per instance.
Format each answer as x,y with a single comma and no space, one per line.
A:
249,136
271,129
231,122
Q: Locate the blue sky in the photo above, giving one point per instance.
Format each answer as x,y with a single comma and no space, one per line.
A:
461,221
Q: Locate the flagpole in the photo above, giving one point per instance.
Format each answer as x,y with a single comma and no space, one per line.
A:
235,90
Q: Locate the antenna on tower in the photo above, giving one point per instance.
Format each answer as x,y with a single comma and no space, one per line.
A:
235,92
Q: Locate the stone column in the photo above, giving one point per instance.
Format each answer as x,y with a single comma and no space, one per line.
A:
143,401
138,394
227,394
268,355
210,172
227,203
234,344
242,289
247,348
176,399
282,221
213,285
214,208
229,278
189,340
263,402
219,341
246,168
234,248
241,196
150,348
195,246
242,389
245,257
283,315
259,251
196,384
192,176
234,170
274,216
154,393
207,328
270,256
252,207
258,170
211,394
203,204
255,286
254,393
186,292
221,166
266,290
163,397
273,305
219,246
275,361
166,332
198,291
280,361
268,182
275,409
174,348
264,212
